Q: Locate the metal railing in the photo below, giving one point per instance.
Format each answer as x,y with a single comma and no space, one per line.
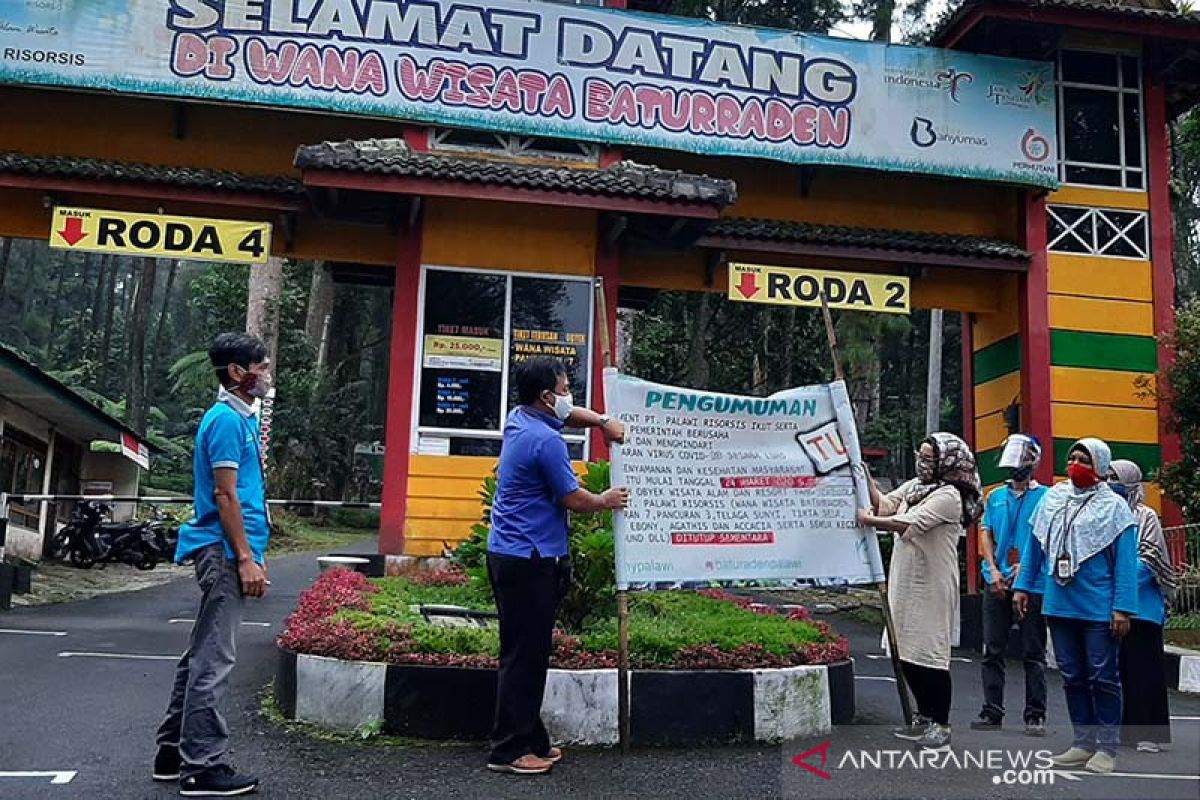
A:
1183,543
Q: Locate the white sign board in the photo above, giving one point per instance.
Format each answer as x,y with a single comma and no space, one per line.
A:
739,488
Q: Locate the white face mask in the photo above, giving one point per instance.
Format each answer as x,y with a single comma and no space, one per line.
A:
563,406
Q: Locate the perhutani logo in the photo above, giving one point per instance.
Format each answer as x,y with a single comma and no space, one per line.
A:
1007,767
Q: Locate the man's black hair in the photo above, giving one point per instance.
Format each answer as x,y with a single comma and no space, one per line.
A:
235,348
536,375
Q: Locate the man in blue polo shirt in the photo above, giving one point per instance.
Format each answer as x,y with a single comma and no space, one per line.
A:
226,539
528,554
1002,536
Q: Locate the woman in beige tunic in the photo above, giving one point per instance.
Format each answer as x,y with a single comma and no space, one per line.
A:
928,514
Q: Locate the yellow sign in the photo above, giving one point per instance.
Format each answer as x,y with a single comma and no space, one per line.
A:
857,291
464,352
99,231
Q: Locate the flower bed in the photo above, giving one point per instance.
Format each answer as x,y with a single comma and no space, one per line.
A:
346,616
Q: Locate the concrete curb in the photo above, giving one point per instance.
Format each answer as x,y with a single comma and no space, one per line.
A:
668,708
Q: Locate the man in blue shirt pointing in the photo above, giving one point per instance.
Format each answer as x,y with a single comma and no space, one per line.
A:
226,539
529,554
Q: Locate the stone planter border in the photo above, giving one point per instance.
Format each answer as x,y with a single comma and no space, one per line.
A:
669,708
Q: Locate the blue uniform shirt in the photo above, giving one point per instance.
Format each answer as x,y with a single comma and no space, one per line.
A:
1007,516
228,437
534,476
1105,583
1151,606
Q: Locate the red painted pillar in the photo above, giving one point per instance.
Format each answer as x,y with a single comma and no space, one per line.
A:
401,371
608,267
1035,336
968,407
1162,254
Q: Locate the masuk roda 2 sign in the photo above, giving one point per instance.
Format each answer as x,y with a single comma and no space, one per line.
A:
557,70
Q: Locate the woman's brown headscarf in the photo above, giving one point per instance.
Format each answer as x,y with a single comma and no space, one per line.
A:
954,465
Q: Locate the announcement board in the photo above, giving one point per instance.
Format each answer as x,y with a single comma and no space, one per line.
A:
739,488
557,70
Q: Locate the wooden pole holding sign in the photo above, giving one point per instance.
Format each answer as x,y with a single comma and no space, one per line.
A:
889,625
622,594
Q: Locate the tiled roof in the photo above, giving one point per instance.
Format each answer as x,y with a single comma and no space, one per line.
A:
768,230
1124,9
100,169
624,179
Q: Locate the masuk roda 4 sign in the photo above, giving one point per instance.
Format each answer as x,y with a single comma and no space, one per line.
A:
556,70
723,487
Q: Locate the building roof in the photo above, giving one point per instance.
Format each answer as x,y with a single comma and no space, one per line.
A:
623,180
944,246
1158,10
25,384
78,168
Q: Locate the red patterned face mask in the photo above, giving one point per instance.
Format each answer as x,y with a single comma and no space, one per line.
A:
1083,476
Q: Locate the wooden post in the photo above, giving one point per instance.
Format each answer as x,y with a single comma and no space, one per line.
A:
622,594
888,624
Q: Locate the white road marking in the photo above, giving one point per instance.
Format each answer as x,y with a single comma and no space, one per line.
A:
55,777
33,633
1187,719
191,621
1151,775
874,678
1062,773
133,656
881,657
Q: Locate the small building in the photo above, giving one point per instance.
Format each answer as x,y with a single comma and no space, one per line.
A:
489,164
53,441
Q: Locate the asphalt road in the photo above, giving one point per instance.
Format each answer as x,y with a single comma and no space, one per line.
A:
92,717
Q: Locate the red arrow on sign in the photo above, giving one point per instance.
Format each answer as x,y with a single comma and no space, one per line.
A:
748,287
72,232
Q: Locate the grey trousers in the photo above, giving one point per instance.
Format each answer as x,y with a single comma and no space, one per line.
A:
193,720
998,621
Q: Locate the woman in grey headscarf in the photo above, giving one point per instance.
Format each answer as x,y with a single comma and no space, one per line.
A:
1146,717
1085,542
928,515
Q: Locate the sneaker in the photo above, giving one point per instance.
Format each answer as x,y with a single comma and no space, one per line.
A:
218,781
1035,728
914,731
553,755
1073,757
937,738
986,722
528,764
166,763
1101,763
1148,747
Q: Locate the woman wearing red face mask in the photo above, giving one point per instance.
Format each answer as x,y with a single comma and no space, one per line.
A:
1085,542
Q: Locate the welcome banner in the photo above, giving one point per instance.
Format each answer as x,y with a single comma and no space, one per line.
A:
545,69
723,487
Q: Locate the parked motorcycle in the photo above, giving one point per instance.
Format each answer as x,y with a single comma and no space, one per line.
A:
91,538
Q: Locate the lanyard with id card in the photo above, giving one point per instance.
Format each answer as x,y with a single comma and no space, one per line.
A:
1063,567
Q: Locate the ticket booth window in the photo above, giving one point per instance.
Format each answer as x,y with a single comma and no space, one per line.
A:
476,327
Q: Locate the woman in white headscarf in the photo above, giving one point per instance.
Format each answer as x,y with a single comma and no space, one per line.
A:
928,515
1146,718
1085,542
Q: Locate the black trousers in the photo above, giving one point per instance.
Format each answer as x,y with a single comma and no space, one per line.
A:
1146,716
527,592
998,619
931,689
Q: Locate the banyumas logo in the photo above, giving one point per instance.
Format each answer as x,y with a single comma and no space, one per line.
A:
1006,767
923,134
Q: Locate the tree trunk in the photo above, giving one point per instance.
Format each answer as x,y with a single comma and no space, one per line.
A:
108,300
320,303
156,351
881,20
697,359
56,303
262,307
143,295
5,254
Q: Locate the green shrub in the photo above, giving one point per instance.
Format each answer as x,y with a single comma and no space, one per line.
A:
366,519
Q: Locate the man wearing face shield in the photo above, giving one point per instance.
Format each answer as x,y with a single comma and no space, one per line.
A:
529,554
226,538
1002,535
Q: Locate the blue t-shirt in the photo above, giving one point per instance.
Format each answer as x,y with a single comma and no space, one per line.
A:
1151,606
1105,583
535,474
229,438
1008,516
